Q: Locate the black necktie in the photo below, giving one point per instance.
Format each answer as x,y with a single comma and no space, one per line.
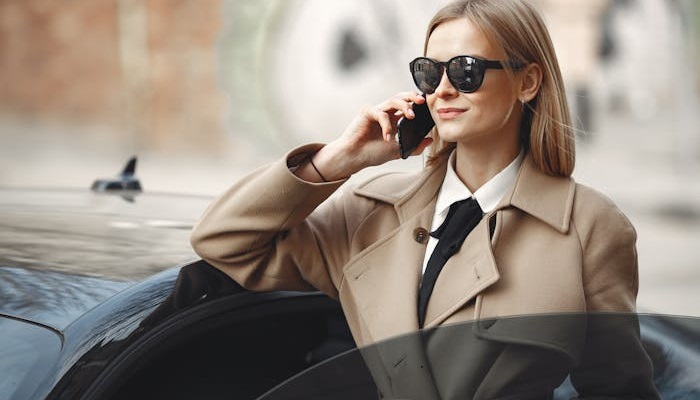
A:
462,217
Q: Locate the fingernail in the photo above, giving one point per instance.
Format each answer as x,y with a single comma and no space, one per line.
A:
410,113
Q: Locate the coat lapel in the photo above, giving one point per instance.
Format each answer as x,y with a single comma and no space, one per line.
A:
466,274
384,278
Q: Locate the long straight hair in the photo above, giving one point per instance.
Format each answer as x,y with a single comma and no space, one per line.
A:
517,29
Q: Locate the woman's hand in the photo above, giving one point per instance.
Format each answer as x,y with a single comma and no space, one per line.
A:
369,140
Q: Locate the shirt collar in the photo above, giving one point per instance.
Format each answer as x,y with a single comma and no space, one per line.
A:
548,198
488,195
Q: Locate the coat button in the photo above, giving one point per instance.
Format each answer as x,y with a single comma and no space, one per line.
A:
420,235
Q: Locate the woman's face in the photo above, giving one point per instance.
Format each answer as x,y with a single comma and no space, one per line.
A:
491,114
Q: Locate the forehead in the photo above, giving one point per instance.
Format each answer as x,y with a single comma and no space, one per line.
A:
459,37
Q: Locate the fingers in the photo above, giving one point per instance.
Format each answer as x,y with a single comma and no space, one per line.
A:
388,113
370,139
402,104
411,97
384,121
383,118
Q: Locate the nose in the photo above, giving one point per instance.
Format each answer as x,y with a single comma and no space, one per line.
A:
445,88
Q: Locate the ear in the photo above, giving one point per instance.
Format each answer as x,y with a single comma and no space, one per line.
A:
530,81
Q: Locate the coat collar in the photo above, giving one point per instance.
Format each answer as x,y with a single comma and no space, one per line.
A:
409,193
545,197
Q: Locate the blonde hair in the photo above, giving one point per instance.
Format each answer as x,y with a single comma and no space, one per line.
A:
516,27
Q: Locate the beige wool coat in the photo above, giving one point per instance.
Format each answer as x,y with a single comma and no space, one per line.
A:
551,246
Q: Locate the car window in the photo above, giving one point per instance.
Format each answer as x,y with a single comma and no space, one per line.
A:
670,342
28,351
240,351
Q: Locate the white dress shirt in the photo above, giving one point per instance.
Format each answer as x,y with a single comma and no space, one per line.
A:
453,189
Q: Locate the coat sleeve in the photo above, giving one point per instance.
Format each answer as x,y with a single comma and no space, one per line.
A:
267,232
614,363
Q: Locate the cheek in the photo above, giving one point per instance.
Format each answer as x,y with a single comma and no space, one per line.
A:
494,101
430,101
498,87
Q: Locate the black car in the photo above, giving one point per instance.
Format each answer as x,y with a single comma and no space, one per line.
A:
75,325
187,332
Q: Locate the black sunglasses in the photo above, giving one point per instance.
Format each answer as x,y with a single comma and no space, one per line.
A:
466,73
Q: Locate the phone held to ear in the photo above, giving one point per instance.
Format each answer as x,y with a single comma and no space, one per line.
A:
412,131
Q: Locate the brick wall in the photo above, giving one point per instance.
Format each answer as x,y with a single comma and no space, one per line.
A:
145,68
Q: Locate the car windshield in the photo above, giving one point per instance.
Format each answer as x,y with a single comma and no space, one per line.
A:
28,351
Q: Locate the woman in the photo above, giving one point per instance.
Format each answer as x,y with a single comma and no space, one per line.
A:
540,244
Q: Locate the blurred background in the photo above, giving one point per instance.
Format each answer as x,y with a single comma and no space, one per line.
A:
203,92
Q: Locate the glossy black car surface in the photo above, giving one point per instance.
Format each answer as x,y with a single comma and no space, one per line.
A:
187,332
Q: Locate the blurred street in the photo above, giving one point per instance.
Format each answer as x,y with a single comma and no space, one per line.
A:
634,163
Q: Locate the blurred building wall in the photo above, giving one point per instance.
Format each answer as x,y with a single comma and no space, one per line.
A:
255,77
145,68
693,7
59,58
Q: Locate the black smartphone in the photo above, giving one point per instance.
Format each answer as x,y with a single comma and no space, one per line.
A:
412,131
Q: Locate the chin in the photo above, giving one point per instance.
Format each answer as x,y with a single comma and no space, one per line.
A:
453,135
470,138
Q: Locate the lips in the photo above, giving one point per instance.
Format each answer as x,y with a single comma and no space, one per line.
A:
450,112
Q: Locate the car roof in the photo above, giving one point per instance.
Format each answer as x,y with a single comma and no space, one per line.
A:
65,250
96,234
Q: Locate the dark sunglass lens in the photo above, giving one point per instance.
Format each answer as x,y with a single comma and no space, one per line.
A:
426,74
465,74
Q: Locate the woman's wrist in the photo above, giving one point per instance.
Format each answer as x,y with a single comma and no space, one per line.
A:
332,162
335,161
